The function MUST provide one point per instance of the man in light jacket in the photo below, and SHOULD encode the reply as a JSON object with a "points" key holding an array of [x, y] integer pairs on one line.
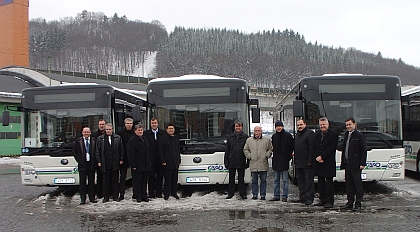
{"points": [[258, 149]]}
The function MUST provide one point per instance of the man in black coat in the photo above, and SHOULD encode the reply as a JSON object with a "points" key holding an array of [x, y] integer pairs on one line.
{"points": [[170, 157], [109, 154], [126, 133], [99, 177], [155, 182], [140, 163], [353, 160], [326, 142], [304, 160], [84, 152], [235, 160], [283, 146]]}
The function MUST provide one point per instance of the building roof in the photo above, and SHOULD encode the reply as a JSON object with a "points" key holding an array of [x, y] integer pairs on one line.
{"points": [[15, 79]]}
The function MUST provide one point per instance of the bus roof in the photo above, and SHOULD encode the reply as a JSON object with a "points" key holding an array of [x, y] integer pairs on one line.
{"points": [[410, 91], [347, 76], [195, 77]]}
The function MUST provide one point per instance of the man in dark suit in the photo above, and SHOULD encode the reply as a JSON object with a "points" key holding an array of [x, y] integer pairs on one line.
{"points": [[326, 142], [126, 133], [155, 182], [140, 163], [110, 155], [99, 178], [84, 152], [353, 160], [170, 157]]}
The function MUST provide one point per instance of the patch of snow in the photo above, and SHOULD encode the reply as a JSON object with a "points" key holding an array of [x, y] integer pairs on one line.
{"points": [[10, 160]]}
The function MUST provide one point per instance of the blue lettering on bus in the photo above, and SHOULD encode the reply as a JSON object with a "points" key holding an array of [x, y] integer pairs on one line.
{"points": [[216, 168], [373, 164]]}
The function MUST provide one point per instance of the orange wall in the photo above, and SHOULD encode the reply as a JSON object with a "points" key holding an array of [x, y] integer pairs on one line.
{"points": [[14, 34]]}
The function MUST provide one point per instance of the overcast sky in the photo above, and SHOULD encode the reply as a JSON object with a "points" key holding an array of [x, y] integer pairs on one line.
{"points": [[391, 27]]}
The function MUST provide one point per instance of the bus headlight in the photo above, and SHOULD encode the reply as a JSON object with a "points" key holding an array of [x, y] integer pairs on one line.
{"points": [[395, 165], [28, 171]]}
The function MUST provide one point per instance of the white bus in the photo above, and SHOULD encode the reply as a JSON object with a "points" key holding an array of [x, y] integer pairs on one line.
{"points": [[373, 101], [203, 109], [410, 100], [53, 117]]}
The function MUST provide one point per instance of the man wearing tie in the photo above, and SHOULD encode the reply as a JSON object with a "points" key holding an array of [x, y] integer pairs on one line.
{"points": [[353, 160], [84, 153], [110, 155], [156, 174]]}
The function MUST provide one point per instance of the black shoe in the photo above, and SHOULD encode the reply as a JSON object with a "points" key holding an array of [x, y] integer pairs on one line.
{"points": [[106, 199], [254, 198], [145, 199], [93, 201], [319, 204], [166, 197], [138, 200], [347, 206], [83, 202], [99, 196], [159, 196], [115, 199], [308, 202], [229, 196], [357, 207], [263, 198], [328, 205], [284, 199], [275, 199], [244, 197], [298, 201], [120, 198], [152, 196], [176, 196]]}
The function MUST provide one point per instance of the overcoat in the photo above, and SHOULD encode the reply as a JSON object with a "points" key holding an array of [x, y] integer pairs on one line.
{"points": [[118, 151], [283, 146], [138, 152], [234, 152], [357, 152], [79, 153], [326, 146], [258, 151], [304, 149]]}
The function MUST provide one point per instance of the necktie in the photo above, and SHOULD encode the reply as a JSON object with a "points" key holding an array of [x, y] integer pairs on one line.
{"points": [[87, 149], [155, 132], [347, 147]]}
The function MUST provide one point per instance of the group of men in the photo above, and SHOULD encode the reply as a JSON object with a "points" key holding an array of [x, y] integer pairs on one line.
{"points": [[152, 156], [314, 155]]}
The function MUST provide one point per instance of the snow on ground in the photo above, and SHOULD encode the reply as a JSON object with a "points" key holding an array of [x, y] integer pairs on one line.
{"points": [[10, 160]]}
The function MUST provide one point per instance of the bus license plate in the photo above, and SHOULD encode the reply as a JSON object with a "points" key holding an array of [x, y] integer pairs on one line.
{"points": [[64, 180], [364, 176], [204, 179]]}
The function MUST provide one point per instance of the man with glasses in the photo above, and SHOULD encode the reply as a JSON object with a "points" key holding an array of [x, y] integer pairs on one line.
{"points": [[258, 149]]}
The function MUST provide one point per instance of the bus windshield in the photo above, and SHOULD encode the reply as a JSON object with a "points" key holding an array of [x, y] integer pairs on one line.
{"points": [[378, 120], [57, 128], [202, 127]]}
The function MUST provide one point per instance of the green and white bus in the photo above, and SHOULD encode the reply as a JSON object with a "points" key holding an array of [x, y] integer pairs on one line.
{"points": [[372, 100], [203, 109]]}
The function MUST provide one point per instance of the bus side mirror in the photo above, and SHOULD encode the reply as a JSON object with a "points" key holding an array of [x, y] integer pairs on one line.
{"points": [[255, 115], [136, 110], [297, 108], [5, 118], [406, 112]]}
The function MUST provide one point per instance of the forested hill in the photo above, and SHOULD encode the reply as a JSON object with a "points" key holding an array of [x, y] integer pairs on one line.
{"points": [[94, 43]]}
